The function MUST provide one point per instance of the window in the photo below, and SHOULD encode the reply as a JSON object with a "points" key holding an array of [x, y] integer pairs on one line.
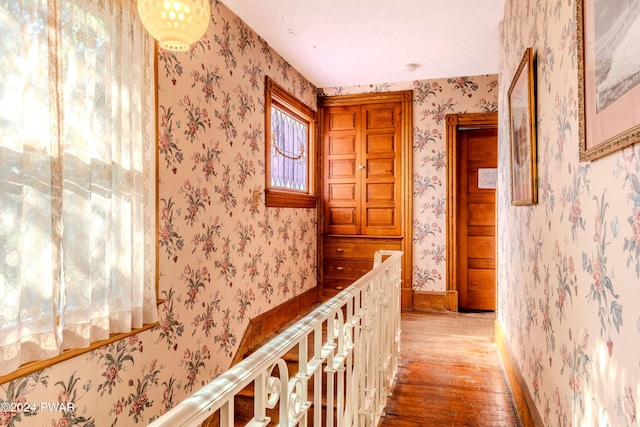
{"points": [[290, 154], [77, 176]]}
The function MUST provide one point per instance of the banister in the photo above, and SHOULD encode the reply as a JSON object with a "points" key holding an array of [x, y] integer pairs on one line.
{"points": [[360, 356]]}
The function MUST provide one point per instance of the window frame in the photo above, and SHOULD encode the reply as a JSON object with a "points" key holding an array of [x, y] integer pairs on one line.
{"points": [[280, 98]]}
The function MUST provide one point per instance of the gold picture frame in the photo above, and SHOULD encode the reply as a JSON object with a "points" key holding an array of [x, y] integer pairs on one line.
{"points": [[608, 82], [522, 132]]}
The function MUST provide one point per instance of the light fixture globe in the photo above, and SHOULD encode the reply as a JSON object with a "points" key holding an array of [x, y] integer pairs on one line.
{"points": [[176, 24]]}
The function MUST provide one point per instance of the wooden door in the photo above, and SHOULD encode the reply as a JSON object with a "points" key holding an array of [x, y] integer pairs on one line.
{"points": [[381, 163], [476, 263], [341, 183], [362, 163], [366, 157]]}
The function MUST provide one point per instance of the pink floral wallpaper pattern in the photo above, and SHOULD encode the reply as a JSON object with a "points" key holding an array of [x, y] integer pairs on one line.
{"points": [[568, 269]]}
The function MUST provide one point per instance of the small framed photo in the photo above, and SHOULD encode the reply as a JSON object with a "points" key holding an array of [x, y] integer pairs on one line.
{"points": [[522, 125], [608, 33]]}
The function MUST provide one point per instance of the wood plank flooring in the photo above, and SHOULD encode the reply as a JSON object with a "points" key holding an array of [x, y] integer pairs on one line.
{"points": [[450, 374]]}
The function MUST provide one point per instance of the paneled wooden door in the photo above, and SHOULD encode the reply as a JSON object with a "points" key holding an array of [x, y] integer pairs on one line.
{"points": [[362, 160], [366, 185], [476, 221]]}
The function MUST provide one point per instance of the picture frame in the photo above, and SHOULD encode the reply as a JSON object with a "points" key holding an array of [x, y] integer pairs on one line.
{"points": [[522, 128], [608, 78]]}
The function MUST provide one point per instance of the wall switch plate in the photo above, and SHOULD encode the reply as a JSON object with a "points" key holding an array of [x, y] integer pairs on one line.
{"points": [[256, 197]]}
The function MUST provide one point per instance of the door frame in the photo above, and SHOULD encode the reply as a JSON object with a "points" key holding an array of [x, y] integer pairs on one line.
{"points": [[405, 98], [455, 123]]}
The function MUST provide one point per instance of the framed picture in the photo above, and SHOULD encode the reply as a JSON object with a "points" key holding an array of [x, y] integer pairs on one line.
{"points": [[522, 126], [608, 76]]}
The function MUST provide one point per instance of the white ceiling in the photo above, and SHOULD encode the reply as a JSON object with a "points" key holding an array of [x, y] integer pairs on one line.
{"points": [[351, 42]]}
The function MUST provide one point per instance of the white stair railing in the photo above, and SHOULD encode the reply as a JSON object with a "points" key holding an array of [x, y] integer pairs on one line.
{"points": [[356, 343]]}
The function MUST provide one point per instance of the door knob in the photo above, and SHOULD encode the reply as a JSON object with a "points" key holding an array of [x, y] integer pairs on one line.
{"points": [[361, 167]]}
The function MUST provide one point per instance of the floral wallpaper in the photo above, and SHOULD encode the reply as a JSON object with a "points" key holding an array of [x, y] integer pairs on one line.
{"points": [[568, 267], [222, 258], [432, 101]]}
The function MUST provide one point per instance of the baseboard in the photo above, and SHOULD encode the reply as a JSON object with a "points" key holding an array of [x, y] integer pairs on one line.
{"points": [[425, 300], [452, 301], [270, 321], [525, 404], [406, 298]]}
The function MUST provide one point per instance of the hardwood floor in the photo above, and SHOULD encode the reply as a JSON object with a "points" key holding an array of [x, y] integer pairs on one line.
{"points": [[450, 373]]}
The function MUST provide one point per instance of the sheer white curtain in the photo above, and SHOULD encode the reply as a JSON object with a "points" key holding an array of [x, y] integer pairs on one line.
{"points": [[77, 175]]}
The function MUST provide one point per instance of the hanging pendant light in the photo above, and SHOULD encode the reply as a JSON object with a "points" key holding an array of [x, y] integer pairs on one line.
{"points": [[176, 24]]}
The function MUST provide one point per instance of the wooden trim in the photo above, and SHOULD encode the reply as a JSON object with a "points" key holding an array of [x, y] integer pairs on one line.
{"points": [[454, 123], [157, 165], [31, 367], [269, 322], [524, 401], [365, 98], [406, 99], [473, 120], [406, 296], [424, 300], [320, 205], [451, 303], [407, 190], [278, 96], [441, 301], [288, 199]]}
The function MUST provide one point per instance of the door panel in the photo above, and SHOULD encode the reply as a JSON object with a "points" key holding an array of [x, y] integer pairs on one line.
{"points": [[381, 218], [343, 119], [476, 221], [482, 246], [481, 288], [343, 144], [381, 144], [342, 218], [342, 192], [381, 116], [481, 213], [381, 168], [341, 181], [382, 160], [342, 168], [381, 193]]}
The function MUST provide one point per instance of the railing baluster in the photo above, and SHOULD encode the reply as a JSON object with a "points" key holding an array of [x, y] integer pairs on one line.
{"points": [[259, 398], [317, 374], [331, 372]]}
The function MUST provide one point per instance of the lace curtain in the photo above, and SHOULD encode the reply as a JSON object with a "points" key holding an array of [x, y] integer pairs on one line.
{"points": [[77, 176]]}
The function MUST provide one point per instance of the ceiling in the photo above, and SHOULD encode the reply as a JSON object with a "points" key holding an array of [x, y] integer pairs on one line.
{"points": [[352, 42]]}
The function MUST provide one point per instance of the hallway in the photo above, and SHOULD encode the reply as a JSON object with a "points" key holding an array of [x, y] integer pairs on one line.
{"points": [[450, 373]]}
